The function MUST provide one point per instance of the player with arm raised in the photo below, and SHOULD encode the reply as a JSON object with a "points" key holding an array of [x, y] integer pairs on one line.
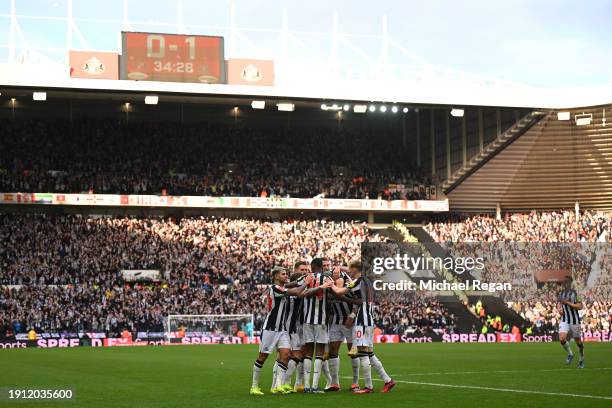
{"points": [[315, 325], [569, 326], [328, 272], [274, 331], [361, 293], [294, 327], [340, 329]]}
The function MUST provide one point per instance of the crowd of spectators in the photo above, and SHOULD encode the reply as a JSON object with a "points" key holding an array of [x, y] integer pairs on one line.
{"points": [[64, 272], [544, 315], [554, 226], [539, 241], [412, 313], [490, 322], [204, 160], [139, 307], [517, 246], [59, 250]]}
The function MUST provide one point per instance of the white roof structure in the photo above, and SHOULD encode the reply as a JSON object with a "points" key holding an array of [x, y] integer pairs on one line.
{"points": [[401, 92], [349, 72]]}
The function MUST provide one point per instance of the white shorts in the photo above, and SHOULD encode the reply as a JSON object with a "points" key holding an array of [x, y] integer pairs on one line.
{"points": [[296, 339], [339, 332], [363, 336], [573, 330], [315, 333], [273, 340]]}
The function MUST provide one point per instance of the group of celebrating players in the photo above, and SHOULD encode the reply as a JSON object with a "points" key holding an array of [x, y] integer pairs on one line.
{"points": [[312, 311]]}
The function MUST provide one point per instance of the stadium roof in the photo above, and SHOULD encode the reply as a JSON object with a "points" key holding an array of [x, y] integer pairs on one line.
{"points": [[324, 63], [414, 92], [316, 64]]}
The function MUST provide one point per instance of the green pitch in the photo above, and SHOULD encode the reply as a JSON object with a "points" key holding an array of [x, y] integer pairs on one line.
{"points": [[458, 375]]}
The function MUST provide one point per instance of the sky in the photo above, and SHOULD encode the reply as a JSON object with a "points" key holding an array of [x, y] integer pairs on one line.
{"points": [[548, 43]]}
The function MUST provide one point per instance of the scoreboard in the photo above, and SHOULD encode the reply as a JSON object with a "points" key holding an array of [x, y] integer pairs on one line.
{"points": [[172, 58]]}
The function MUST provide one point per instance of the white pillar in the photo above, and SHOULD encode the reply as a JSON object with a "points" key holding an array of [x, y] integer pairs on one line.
{"points": [[432, 141], [448, 149], [12, 31], [334, 60], [480, 130], [464, 140], [498, 120], [418, 138], [384, 56]]}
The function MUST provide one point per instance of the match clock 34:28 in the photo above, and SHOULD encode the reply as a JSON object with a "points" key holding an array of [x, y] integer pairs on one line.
{"points": [[172, 57]]}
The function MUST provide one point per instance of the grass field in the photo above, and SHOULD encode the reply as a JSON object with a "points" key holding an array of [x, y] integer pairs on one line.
{"points": [[458, 375]]}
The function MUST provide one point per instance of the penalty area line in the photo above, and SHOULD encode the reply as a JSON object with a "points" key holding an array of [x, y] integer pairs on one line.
{"points": [[477, 387]]}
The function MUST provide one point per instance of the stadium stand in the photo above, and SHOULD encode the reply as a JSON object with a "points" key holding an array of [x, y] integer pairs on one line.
{"points": [[529, 304], [209, 266], [512, 175], [216, 265], [206, 160]]}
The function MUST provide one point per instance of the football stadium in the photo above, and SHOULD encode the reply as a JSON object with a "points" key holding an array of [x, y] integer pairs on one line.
{"points": [[222, 204]]}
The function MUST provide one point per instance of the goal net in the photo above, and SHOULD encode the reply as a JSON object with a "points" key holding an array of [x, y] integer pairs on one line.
{"points": [[209, 328]]}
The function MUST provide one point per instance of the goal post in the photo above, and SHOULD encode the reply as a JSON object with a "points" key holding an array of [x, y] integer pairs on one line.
{"points": [[212, 324]]}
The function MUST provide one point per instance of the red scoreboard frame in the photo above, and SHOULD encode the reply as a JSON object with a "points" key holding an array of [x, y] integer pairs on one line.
{"points": [[172, 58]]}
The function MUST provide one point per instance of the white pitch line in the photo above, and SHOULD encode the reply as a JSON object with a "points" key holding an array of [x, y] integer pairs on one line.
{"points": [[500, 371], [477, 387]]}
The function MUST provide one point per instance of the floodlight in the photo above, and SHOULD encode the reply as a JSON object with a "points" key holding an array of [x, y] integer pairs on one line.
{"points": [[563, 116], [258, 104], [39, 96], [285, 107], [583, 119], [151, 99]]}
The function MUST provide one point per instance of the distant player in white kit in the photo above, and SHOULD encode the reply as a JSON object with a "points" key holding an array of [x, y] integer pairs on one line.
{"points": [[569, 326]]}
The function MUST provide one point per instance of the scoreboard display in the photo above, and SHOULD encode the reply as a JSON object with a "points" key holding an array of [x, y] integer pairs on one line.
{"points": [[172, 58]]}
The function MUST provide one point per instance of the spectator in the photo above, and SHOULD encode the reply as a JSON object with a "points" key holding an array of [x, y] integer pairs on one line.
{"points": [[203, 160]]}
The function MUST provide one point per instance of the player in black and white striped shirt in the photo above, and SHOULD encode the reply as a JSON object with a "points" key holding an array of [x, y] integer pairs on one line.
{"points": [[328, 271], [274, 331], [339, 331], [361, 294], [315, 324], [569, 326], [294, 326]]}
